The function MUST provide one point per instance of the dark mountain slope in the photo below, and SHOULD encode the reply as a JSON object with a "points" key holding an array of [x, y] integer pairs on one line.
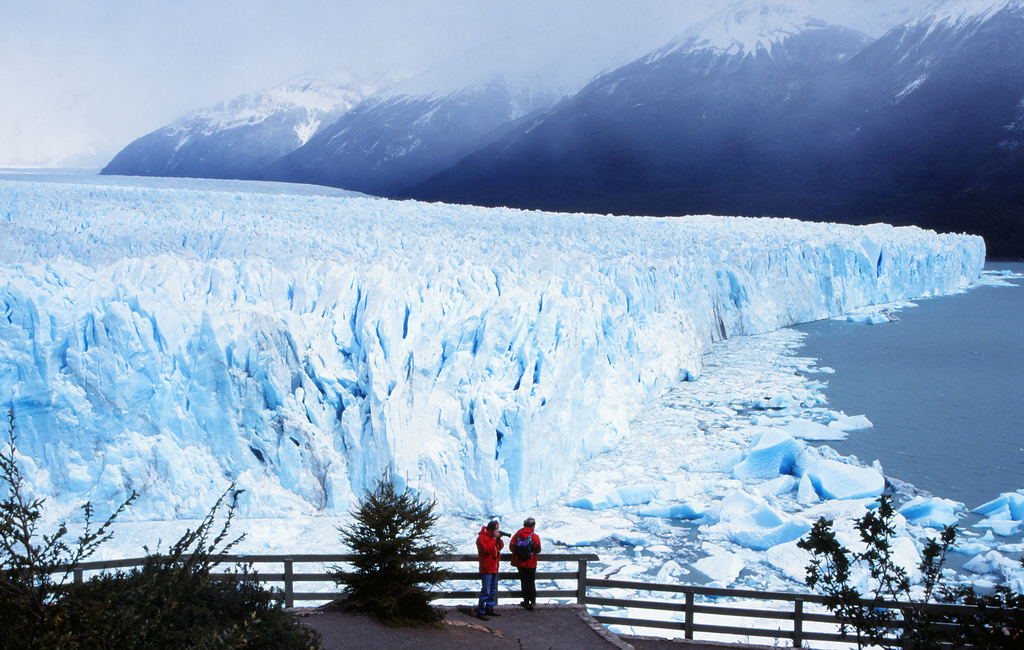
{"points": [[922, 127], [390, 143]]}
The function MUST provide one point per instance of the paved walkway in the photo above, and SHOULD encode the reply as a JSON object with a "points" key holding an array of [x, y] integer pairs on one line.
{"points": [[547, 627]]}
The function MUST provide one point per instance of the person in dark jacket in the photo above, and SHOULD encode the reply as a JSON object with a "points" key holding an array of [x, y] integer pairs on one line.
{"points": [[488, 549], [525, 546]]}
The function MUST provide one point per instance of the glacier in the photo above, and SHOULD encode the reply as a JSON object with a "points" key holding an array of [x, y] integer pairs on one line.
{"points": [[170, 340]]}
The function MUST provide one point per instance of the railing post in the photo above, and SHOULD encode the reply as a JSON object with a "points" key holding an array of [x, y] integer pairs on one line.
{"points": [[78, 576], [581, 582], [289, 590], [689, 615], [798, 623]]}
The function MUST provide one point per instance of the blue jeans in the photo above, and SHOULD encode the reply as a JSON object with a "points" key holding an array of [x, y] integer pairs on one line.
{"points": [[488, 592]]}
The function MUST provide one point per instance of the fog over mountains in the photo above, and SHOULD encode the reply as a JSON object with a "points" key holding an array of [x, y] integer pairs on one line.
{"points": [[766, 109]]}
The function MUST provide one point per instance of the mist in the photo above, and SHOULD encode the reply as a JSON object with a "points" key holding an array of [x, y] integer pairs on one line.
{"points": [[81, 80]]}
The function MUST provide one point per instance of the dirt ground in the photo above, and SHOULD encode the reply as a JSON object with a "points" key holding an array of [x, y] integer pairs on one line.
{"points": [[547, 627]]}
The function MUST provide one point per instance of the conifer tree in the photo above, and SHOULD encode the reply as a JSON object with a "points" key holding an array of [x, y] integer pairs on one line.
{"points": [[395, 556]]}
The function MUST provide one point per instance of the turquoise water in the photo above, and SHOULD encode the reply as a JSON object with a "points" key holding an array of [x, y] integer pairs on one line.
{"points": [[944, 388]]}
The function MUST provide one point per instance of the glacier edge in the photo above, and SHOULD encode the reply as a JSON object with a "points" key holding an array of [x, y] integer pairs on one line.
{"points": [[171, 341]]}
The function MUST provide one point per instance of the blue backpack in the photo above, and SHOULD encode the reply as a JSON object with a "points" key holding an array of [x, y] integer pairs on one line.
{"points": [[522, 548]]}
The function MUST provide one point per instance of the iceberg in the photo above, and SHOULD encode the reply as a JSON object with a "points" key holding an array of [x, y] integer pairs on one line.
{"points": [[773, 453], [1001, 527], [934, 512], [624, 496], [1008, 505], [835, 480], [809, 430], [780, 485], [722, 567], [850, 422], [749, 521], [690, 509], [170, 340]]}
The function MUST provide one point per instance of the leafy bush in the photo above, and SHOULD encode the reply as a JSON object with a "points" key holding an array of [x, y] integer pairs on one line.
{"points": [[996, 621], [396, 555], [172, 601]]}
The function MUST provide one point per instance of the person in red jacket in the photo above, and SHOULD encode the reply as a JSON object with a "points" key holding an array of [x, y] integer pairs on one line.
{"points": [[488, 549], [525, 545]]}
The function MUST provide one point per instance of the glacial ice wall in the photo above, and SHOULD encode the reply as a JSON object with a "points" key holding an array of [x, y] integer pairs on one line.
{"points": [[170, 341]]}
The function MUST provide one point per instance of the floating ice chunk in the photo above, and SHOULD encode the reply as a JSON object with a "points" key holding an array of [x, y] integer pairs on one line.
{"points": [[835, 480], [631, 538], [992, 562], [773, 453], [933, 512], [781, 485], [723, 567], [850, 423], [584, 532], [1001, 527], [809, 430], [971, 548], [761, 539], [836, 509], [720, 461], [806, 495], [691, 509], [1008, 505], [872, 316], [749, 521], [631, 495], [669, 571], [906, 556], [791, 560], [680, 490]]}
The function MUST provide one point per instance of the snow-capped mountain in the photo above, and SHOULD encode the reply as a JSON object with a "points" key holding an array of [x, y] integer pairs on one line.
{"points": [[930, 128], [665, 133], [415, 129], [748, 27], [768, 109], [399, 139], [963, 13], [238, 138]]}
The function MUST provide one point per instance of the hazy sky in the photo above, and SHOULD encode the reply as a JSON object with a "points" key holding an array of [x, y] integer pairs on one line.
{"points": [[80, 79]]}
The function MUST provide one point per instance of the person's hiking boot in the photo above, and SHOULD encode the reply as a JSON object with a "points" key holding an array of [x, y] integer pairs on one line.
{"points": [[524, 605], [529, 607], [491, 612], [481, 616]]}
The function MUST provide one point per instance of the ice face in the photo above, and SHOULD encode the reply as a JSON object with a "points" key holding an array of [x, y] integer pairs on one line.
{"points": [[169, 341]]}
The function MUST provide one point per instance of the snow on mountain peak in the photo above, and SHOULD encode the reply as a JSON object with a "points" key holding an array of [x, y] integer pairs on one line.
{"points": [[749, 26], [960, 12], [319, 93]]}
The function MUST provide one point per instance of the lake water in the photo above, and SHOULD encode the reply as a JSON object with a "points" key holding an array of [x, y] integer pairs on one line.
{"points": [[944, 388]]}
